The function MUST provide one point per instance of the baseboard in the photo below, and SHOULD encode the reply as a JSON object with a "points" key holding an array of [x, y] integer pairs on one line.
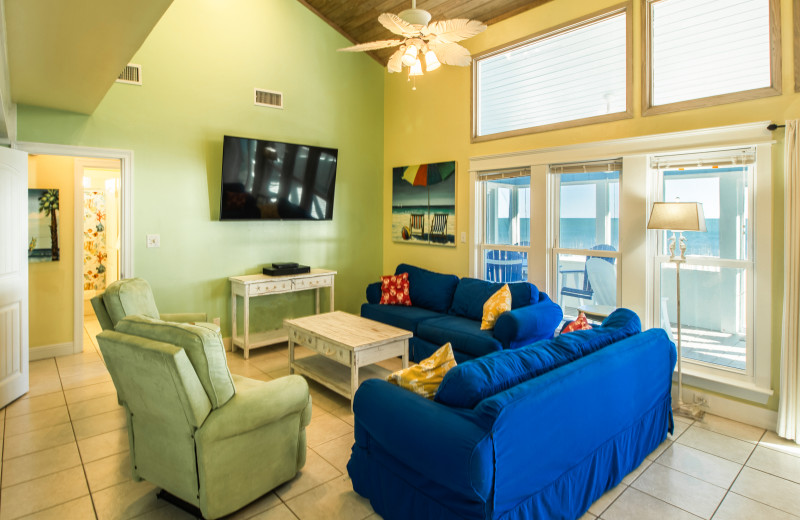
{"points": [[734, 410], [48, 351]]}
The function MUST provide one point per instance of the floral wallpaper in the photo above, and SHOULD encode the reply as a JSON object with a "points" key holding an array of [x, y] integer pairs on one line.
{"points": [[94, 240]]}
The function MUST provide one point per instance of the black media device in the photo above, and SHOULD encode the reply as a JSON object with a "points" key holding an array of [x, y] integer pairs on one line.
{"points": [[286, 268], [271, 180]]}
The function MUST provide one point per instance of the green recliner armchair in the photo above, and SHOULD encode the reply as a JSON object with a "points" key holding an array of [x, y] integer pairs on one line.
{"points": [[133, 296], [215, 440]]}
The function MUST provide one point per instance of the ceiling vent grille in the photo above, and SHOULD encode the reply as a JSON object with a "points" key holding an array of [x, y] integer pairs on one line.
{"points": [[131, 74], [268, 98]]}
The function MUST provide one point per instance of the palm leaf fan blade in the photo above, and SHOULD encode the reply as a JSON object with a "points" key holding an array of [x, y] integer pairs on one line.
{"points": [[452, 54], [397, 25], [450, 31], [396, 61], [371, 46]]}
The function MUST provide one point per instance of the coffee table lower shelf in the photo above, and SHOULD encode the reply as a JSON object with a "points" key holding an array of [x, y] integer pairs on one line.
{"points": [[334, 375]]}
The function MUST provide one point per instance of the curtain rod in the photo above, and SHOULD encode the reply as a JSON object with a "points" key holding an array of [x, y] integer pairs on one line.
{"points": [[773, 126]]}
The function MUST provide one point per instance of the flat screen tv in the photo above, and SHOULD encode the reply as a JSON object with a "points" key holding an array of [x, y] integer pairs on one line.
{"points": [[270, 180]]}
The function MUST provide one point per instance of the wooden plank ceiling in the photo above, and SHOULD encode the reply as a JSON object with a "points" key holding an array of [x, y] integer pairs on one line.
{"points": [[358, 21]]}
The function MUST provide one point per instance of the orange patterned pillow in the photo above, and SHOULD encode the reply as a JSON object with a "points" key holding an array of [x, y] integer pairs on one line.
{"points": [[394, 290], [579, 324]]}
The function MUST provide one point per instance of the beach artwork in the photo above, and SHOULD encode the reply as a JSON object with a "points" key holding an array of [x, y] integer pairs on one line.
{"points": [[43, 226], [424, 204]]}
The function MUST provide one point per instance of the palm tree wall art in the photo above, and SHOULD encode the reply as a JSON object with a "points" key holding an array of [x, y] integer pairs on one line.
{"points": [[43, 206]]}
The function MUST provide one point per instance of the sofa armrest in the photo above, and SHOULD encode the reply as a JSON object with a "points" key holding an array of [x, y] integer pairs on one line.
{"points": [[524, 325], [184, 317], [438, 443], [256, 404], [374, 292]]}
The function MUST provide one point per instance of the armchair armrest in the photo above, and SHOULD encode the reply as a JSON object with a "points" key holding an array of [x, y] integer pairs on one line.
{"points": [[440, 443], [256, 404], [184, 317], [524, 325], [374, 292]]}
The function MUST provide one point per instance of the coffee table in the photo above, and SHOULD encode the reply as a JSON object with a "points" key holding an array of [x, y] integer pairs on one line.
{"points": [[346, 346]]}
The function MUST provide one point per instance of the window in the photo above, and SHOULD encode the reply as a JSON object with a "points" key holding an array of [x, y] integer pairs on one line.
{"points": [[506, 229], [586, 238], [716, 280], [573, 75], [702, 53]]}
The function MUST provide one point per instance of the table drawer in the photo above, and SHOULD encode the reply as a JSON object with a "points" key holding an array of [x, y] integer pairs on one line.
{"points": [[270, 287], [303, 338], [312, 282], [335, 352]]}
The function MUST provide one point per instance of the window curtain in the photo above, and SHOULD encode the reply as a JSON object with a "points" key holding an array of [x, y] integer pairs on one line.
{"points": [[789, 407]]}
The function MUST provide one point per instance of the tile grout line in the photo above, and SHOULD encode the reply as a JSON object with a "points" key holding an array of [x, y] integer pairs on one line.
{"points": [[80, 455]]}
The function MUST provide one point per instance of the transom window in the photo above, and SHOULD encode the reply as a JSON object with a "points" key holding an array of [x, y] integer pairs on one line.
{"points": [[562, 77], [709, 50]]}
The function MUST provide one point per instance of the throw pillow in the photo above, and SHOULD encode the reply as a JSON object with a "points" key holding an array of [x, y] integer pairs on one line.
{"points": [[496, 305], [394, 290], [581, 323], [424, 379]]}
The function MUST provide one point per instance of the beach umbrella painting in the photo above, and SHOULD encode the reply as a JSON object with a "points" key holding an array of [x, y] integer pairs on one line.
{"points": [[428, 174]]}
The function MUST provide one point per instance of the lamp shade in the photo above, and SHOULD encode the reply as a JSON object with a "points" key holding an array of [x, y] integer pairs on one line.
{"points": [[677, 216]]}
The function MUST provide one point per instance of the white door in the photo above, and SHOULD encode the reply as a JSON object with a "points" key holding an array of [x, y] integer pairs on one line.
{"points": [[13, 274]]}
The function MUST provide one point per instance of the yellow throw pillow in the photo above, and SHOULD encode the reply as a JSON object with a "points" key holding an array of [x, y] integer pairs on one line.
{"points": [[424, 379], [499, 303]]}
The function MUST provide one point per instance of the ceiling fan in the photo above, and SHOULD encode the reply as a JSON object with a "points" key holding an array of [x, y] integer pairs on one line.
{"points": [[435, 42]]}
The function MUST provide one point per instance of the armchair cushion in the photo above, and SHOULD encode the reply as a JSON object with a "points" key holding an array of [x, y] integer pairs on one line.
{"points": [[203, 346], [471, 294], [127, 297]]}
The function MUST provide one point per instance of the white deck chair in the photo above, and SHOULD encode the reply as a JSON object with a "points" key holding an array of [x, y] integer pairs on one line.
{"points": [[603, 277]]}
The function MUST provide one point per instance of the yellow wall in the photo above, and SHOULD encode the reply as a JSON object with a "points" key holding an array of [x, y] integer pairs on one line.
{"points": [[432, 124], [50, 284]]}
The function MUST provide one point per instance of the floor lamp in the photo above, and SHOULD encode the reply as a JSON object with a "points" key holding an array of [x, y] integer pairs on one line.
{"points": [[679, 217]]}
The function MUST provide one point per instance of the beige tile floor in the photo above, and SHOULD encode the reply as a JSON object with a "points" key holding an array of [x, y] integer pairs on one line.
{"points": [[65, 456]]}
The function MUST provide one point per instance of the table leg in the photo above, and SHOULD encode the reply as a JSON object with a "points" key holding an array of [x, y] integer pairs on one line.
{"points": [[405, 353], [331, 309], [246, 325], [233, 319], [291, 354], [353, 383], [317, 300]]}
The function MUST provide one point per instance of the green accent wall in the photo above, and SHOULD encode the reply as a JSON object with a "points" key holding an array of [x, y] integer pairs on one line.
{"points": [[200, 65]]}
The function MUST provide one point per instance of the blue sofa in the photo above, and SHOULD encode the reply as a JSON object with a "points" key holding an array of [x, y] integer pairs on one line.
{"points": [[538, 432], [448, 309]]}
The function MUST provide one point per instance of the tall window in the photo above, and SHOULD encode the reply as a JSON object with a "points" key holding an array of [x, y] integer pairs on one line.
{"points": [[586, 237], [562, 77], [716, 281], [506, 230], [706, 52]]}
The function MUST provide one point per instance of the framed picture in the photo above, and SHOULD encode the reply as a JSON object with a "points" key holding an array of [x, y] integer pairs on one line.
{"points": [[43, 226], [424, 204]]}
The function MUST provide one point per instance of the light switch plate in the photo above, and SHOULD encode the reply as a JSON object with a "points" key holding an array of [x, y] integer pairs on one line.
{"points": [[463, 237], [153, 240]]}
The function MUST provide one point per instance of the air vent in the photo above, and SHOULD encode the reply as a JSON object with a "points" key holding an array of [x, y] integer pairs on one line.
{"points": [[268, 98], [131, 74]]}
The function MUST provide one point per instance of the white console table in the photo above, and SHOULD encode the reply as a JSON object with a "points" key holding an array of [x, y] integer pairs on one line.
{"points": [[254, 285]]}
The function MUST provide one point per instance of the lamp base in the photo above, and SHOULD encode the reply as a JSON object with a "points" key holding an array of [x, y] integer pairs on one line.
{"points": [[692, 411]]}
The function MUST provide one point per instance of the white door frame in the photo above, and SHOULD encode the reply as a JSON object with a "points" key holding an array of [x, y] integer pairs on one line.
{"points": [[125, 158]]}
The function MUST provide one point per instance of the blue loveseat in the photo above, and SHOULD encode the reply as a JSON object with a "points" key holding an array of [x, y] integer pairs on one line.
{"points": [[448, 309], [538, 432]]}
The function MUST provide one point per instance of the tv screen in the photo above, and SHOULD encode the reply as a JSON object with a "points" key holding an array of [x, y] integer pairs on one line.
{"points": [[270, 180]]}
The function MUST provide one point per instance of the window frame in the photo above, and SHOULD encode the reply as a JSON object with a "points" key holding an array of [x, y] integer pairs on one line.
{"points": [[625, 8], [648, 109]]}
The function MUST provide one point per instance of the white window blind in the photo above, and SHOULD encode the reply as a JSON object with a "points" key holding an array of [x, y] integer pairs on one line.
{"points": [[572, 74], [513, 173], [588, 167], [719, 158], [703, 48]]}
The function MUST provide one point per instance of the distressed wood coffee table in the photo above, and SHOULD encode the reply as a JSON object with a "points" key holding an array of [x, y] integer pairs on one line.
{"points": [[347, 347]]}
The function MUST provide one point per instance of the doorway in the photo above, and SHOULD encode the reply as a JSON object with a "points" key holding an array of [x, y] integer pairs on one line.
{"points": [[94, 225]]}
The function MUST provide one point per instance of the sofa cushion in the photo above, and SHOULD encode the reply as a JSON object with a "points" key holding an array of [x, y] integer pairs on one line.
{"points": [[473, 381], [496, 305], [128, 297], [580, 323], [464, 334], [398, 315], [426, 376], [394, 290], [429, 290], [203, 347], [471, 294]]}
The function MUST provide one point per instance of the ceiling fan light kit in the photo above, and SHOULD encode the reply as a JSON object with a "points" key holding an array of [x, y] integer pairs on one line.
{"points": [[434, 42]]}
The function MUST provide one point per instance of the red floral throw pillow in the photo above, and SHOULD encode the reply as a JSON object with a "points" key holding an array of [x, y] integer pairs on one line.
{"points": [[579, 324], [394, 290]]}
